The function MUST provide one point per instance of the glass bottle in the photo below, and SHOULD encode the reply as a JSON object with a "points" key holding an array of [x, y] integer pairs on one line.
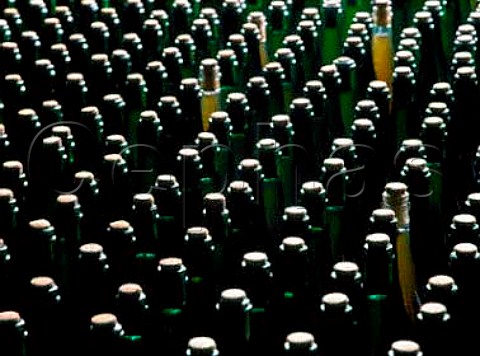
{"points": [[44, 312], [382, 41], [119, 241], [105, 335], [334, 179], [336, 323], [256, 279], [293, 286], [332, 30], [272, 194], [210, 82], [434, 328], [199, 254], [14, 333], [189, 173], [233, 320], [396, 197], [169, 302], [132, 310]]}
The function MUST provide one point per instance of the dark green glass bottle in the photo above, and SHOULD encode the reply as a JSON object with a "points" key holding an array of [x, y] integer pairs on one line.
{"points": [[199, 253], [11, 57], [212, 15], [79, 51], [132, 43], [256, 279], [99, 78], [156, 79], [60, 58], [258, 95], [67, 220], [216, 218], [24, 132], [278, 15], [145, 219], [203, 38], [50, 178], [189, 173], [434, 328], [99, 37], [384, 315], [256, 54], [296, 44], [336, 324], [10, 212], [132, 309], [238, 110], [44, 72], [331, 79], [44, 312], [190, 98], [50, 113], [272, 193], [14, 333], [236, 42], [334, 179], [30, 49], [288, 171], [152, 39], [232, 17], [64, 13], [105, 335], [233, 321], [75, 95], [465, 87], [119, 241], [14, 24], [65, 134], [9, 278], [121, 66], [471, 204], [186, 44], [248, 228], [365, 138], [91, 289], [332, 30], [15, 99], [405, 114], [463, 265], [5, 145], [169, 303], [293, 278], [91, 140], [207, 145], [115, 188], [43, 258], [315, 91]]}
